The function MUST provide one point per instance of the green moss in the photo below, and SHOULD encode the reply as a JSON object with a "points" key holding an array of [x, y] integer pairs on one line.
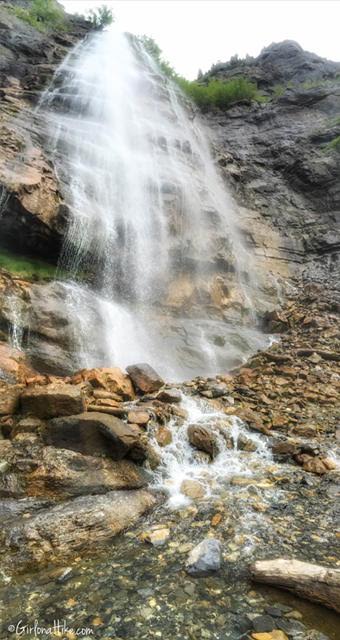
{"points": [[43, 15], [26, 267]]}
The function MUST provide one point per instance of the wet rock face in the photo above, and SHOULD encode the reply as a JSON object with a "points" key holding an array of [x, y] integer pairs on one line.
{"points": [[275, 156], [33, 212]]}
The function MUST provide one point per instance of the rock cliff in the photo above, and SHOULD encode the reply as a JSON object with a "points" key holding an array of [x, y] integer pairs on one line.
{"points": [[281, 156], [31, 207]]}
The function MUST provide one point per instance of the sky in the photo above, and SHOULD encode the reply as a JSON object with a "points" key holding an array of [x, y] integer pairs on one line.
{"points": [[194, 34]]}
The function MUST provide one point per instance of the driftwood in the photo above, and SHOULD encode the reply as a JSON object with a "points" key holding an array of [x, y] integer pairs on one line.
{"points": [[311, 581]]}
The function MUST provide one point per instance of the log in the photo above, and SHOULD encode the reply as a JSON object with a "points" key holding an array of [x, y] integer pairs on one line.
{"points": [[311, 581]]}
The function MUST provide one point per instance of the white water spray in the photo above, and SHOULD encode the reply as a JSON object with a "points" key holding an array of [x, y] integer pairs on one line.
{"points": [[147, 206]]}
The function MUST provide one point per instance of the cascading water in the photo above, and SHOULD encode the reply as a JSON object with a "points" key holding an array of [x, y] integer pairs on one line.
{"points": [[150, 219], [181, 462], [13, 308]]}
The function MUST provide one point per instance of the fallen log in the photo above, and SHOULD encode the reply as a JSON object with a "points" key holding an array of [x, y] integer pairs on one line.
{"points": [[314, 582]]}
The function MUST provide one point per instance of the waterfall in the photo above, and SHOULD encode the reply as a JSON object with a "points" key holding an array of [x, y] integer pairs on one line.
{"points": [[151, 222], [13, 308]]}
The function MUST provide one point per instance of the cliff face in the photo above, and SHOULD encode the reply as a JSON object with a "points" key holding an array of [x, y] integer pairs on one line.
{"points": [[281, 157], [31, 207]]}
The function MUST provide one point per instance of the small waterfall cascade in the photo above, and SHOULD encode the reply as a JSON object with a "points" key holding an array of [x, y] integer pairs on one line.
{"points": [[239, 453], [150, 220], [14, 311]]}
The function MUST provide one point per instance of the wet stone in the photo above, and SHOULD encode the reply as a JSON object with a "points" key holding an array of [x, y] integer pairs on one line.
{"points": [[263, 623], [205, 558]]}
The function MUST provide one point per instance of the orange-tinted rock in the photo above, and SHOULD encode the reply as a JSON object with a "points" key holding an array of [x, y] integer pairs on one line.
{"points": [[139, 417], [163, 436], [108, 379]]}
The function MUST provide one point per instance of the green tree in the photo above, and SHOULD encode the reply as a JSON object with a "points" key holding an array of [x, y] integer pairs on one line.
{"points": [[101, 17]]}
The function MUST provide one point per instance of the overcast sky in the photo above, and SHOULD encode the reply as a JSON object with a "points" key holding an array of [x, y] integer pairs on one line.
{"points": [[194, 34]]}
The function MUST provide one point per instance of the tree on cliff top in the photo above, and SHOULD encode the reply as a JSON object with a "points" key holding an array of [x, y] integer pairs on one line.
{"points": [[101, 17]]}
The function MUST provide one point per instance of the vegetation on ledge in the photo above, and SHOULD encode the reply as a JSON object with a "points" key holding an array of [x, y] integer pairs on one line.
{"points": [[100, 17], [333, 145], [44, 15], [26, 267], [215, 93]]}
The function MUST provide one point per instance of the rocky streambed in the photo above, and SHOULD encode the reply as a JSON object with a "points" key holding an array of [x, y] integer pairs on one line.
{"points": [[84, 457]]}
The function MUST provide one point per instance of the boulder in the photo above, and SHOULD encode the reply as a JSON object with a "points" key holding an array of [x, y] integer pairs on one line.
{"points": [[139, 417], [63, 473], [52, 400], [203, 438], [145, 379], [112, 380], [94, 434], [76, 527], [205, 558], [171, 396]]}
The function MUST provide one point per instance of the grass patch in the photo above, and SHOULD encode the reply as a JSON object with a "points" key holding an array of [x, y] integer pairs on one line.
{"points": [[333, 145], [43, 15], [26, 267]]}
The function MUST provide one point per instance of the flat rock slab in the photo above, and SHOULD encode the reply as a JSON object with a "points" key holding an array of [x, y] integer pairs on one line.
{"points": [[81, 525], [51, 401], [93, 433], [145, 378]]}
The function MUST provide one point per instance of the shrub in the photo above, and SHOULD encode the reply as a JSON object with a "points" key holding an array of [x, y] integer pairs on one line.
{"points": [[43, 15], [219, 94], [101, 17], [206, 95], [152, 48]]}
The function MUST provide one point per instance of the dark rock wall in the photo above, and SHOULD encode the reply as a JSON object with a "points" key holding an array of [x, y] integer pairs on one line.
{"points": [[31, 207], [278, 155]]}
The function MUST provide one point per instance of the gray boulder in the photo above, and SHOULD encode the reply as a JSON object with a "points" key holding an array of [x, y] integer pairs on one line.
{"points": [[205, 558]]}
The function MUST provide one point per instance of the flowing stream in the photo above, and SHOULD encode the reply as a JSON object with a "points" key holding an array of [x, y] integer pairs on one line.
{"points": [[152, 227]]}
